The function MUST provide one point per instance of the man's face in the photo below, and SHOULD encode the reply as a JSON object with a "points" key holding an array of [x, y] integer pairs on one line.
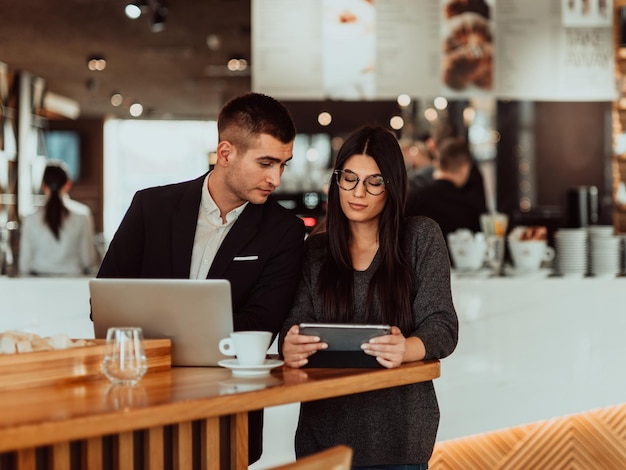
{"points": [[255, 174]]}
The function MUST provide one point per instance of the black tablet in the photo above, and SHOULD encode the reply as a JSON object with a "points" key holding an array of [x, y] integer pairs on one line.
{"points": [[344, 344], [344, 337]]}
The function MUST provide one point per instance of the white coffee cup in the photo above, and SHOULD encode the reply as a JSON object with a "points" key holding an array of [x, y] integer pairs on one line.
{"points": [[528, 255], [468, 251], [250, 347]]}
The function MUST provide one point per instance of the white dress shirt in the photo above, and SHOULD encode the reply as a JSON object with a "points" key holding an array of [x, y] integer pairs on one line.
{"points": [[73, 254], [210, 232]]}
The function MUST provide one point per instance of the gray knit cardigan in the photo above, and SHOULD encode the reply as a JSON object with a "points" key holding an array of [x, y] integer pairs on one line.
{"points": [[389, 426]]}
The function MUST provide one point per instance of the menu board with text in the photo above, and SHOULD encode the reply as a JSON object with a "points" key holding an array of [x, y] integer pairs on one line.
{"points": [[378, 49]]}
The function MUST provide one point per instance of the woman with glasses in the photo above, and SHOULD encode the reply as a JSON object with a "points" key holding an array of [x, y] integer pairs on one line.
{"points": [[373, 266]]}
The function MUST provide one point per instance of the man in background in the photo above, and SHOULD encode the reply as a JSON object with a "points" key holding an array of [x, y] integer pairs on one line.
{"points": [[419, 162], [446, 199], [224, 225]]}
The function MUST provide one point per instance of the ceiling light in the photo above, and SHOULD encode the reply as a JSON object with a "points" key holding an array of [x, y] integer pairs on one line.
{"points": [[396, 122], [136, 109], [158, 19], [117, 99], [324, 118], [96, 63], [404, 100], [134, 10], [213, 42], [237, 65]]}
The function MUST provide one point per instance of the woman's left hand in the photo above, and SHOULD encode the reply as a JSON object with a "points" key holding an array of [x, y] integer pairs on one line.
{"points": [[389, 349]]}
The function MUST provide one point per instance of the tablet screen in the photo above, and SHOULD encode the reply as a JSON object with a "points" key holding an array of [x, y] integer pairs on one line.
{"points": [[344, 337]]}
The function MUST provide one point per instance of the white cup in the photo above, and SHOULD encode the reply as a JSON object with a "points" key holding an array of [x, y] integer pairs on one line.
{"points": [[468, 252], [124, 361], [250, 347], [528, 255]]}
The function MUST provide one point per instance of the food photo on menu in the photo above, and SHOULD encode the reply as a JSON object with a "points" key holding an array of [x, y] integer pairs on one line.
{"points": [[467, 45], [349, 43]]}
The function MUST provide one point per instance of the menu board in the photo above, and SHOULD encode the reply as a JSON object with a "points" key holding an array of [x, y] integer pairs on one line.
{"points": [[286, 49], [542, 59], [552, 50]]}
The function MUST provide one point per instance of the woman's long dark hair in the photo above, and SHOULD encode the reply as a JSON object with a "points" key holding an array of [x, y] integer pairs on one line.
{"points": [[54, 178], [392, 282]]}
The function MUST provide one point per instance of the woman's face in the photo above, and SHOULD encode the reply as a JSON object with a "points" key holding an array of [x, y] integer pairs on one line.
{"points": [[358, 204]]}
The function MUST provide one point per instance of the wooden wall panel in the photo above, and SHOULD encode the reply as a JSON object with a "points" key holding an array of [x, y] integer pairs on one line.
{"points": [[591, 440]]}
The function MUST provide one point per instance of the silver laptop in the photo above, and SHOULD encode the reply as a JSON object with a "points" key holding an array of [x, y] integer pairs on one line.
{"points": [[194, 314]]}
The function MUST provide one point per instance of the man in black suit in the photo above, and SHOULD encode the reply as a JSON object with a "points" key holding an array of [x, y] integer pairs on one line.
{"points": [[224, 225]]}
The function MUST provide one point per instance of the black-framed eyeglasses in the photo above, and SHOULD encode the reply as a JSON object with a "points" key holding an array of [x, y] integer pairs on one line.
{"points": [[347, 180]]}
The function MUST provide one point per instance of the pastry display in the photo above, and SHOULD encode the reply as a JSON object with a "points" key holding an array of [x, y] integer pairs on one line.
{"points": [[531, 232], [12, 342], [467, 45]]}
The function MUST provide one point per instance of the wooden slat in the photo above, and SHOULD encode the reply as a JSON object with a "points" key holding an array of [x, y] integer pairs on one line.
{"points": [[239, 441], [124, 454], [25, 459], [154, 452], [92, 453], [183, 458], [210, 448], [60, 456]]}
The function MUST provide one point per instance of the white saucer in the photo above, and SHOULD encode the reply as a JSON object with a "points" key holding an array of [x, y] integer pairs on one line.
{"points": [[249, 371], [482, 273], [538, 274]]}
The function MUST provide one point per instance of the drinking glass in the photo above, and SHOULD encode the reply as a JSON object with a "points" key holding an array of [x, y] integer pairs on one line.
{"points": [[495, 253], [124, 361]]}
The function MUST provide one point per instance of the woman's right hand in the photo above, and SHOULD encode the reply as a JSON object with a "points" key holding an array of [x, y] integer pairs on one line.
{"points": [[297, 348]]}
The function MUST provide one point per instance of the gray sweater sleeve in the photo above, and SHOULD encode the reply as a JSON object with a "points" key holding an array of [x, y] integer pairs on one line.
{"points": [[433, 309]]}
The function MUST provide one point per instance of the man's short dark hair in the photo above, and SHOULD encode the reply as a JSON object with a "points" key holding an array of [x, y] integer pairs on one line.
{"points": [[246, 117], [453, 152]]}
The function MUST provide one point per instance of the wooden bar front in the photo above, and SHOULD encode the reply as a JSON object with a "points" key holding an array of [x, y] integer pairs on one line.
{"points": [[105, 425]]}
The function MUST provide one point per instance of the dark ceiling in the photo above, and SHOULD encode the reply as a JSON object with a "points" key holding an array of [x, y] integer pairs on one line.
{"points": [[177, 73]]}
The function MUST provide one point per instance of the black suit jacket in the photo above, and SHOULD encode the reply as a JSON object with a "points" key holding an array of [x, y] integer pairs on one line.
{"points": [[260, 256]]}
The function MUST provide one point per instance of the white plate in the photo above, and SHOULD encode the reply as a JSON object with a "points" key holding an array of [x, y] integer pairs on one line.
{"points": [[248, 371]]}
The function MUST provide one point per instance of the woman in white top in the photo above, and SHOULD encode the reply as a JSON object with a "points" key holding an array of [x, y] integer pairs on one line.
{"points": [[58, 239]]}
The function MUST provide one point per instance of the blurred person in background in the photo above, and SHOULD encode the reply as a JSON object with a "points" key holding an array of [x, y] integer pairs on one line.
{"points": [[58, 239], [474, 187], [447, 199], [419, 162]]}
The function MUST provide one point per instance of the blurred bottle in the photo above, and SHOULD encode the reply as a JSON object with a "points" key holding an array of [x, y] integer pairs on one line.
{"points": [[582, 207], [6, 253]]}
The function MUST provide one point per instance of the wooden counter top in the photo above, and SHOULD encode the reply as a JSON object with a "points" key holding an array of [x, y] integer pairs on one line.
{"points": [[47, 415]]}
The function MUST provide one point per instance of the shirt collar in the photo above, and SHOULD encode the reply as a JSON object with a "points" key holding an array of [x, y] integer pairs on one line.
{"points": [[210, 209]]}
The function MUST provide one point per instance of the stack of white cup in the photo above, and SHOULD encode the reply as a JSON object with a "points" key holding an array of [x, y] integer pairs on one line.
{"points": [[604, 251]]}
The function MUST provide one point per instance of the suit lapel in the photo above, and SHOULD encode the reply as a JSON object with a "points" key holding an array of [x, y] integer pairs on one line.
{"points": [[245, 228], [184, 221]]}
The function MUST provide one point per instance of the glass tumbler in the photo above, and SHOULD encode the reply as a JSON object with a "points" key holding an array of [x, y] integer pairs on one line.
{"points": [[124, 361]]}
